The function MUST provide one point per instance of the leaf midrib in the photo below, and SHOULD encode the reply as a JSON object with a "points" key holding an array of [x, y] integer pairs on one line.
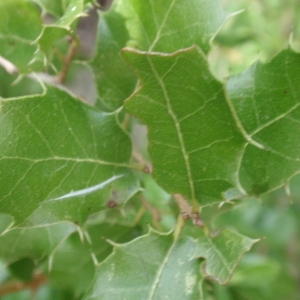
{"points": [[160, 271], [178, 130]]}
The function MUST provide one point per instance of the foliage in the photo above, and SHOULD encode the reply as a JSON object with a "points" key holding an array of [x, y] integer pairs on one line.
{"points": [[136, 138]]}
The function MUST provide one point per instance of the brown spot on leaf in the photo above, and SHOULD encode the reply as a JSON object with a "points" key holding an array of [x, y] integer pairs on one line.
{"points": [[111, 203]]}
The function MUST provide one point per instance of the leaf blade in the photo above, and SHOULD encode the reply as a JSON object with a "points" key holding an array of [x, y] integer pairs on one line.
{"points": [[61, 153], [155, 265], [198, 161]]}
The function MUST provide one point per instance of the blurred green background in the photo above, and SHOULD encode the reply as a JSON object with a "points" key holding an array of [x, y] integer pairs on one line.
{"points": [[260, 30]]}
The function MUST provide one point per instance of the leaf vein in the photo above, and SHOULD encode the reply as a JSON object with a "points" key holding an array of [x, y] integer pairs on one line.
{"points": [[178, 130]]}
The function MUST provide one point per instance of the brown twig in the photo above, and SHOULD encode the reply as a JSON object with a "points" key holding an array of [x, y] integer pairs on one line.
{"points": [[61, 77], [153, 210], [13, 287], [187, 211], [140, 159]]}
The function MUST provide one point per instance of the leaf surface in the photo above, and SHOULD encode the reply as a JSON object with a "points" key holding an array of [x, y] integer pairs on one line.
{"points": [[155, 266], [34, 243], [266, 99], [114, 79], [152, 26], [204, 143], [16, 38], [62, 27], [63, 159], [56, 8], [195, 143], [172, 24], [72, 266]]}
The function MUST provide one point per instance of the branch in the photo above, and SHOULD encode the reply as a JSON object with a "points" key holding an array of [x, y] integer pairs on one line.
{"points": [[187, 211], [147, 167], [154, 211], [61, 77]]}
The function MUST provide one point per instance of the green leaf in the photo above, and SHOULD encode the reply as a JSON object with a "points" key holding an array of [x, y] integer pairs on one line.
{"points": [[5, 222], [195, 143], [16, 37], [114, 79], [61, 155], [205, 145], [68, 271], [72, 266], [172, 24], [266, 99], [34, 243], [62, 27], [56, 8], [156, 265], [154, 26], [119, 233], [223, 253], [12, 86]]}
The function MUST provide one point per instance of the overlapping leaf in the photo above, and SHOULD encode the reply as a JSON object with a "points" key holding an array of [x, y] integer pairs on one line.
{"points": [[62, 27], [56, 8], [20, 40], [155, 266], [114, 79], [60, 159], [160, 26]]}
